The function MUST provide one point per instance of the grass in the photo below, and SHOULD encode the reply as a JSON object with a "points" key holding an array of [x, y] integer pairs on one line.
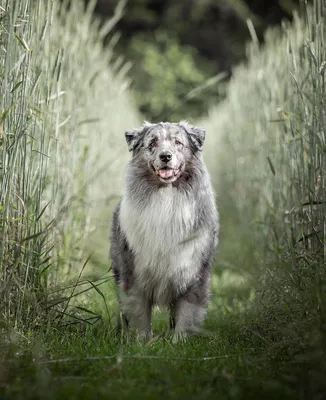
{"points": [[245, 352], [267, 147], [230, 362], [240, 356], [63, 113]]}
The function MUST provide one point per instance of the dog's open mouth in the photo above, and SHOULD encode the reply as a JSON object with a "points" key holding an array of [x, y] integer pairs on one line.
{"points": [[168, 173]]}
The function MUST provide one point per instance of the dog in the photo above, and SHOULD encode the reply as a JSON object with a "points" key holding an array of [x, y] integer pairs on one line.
{"points": [[165, 228]]}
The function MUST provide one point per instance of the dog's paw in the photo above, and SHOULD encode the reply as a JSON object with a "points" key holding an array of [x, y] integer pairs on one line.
{"points": [[180, 337], [144, 336]]}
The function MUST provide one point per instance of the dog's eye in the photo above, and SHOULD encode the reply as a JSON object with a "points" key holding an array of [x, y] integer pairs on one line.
{"points": [[178, 143], [152, 144]]}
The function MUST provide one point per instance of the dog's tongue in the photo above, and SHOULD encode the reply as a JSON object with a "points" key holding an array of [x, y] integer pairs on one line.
{"points": [[165, 173]]}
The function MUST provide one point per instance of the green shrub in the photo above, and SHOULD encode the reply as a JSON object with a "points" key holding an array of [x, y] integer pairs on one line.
{"points": [[63, 114], [171, 80]]}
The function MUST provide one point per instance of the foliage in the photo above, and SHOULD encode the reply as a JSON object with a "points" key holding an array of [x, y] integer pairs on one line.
{"points": [[269, 136], [63, 113], [207, 36], [266, 150], [169, 83]]}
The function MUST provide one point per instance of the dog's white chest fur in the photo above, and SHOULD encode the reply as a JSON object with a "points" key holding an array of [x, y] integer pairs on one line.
{"points": [[162, 238]]}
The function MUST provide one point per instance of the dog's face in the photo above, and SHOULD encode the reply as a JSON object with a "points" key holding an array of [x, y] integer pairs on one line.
{"points": [[166, 148]]}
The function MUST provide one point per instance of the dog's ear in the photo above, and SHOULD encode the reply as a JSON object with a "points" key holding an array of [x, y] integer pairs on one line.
{"points": [[196, 135], [132, 138]]}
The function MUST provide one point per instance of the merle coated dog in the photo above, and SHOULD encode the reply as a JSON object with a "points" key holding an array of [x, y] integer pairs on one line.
{"points": [[165, 229]]}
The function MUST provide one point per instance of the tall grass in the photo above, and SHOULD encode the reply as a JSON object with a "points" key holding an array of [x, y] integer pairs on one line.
{"points": [[63, 113], [267, 148]]}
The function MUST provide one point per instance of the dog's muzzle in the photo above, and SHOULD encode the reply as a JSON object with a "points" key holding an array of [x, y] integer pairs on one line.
{"points": [[168, 173]]}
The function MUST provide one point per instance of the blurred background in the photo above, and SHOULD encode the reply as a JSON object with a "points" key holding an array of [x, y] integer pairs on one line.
{"points": [[181, 53]]}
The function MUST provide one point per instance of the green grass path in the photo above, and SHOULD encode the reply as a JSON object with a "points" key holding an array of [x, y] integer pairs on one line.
{"points": [[230, 361]]}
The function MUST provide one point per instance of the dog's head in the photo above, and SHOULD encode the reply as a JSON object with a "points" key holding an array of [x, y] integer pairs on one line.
{"points": [[166, 148]]}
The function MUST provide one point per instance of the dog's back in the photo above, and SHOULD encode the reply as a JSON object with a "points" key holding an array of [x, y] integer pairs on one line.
{"points": [[164, 232]]}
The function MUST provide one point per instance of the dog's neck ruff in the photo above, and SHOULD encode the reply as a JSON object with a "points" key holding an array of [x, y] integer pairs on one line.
{"points": [[163, 218], [159, 232]]}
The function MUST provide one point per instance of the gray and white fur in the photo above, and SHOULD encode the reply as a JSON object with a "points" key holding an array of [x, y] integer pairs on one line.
{"points": [[165, 228]]}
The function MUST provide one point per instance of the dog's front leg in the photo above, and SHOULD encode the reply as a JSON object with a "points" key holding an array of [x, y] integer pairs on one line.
{"points": [[189, 318], [138, 311]]}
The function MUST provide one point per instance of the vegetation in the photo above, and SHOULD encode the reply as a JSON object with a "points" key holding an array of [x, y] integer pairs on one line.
{"points": [[189, 44], [168, 83], [265, 333], [63, 114], [268, 154]]}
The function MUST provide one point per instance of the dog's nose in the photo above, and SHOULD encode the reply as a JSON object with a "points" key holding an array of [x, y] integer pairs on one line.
{"points": [[165, 156]]}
